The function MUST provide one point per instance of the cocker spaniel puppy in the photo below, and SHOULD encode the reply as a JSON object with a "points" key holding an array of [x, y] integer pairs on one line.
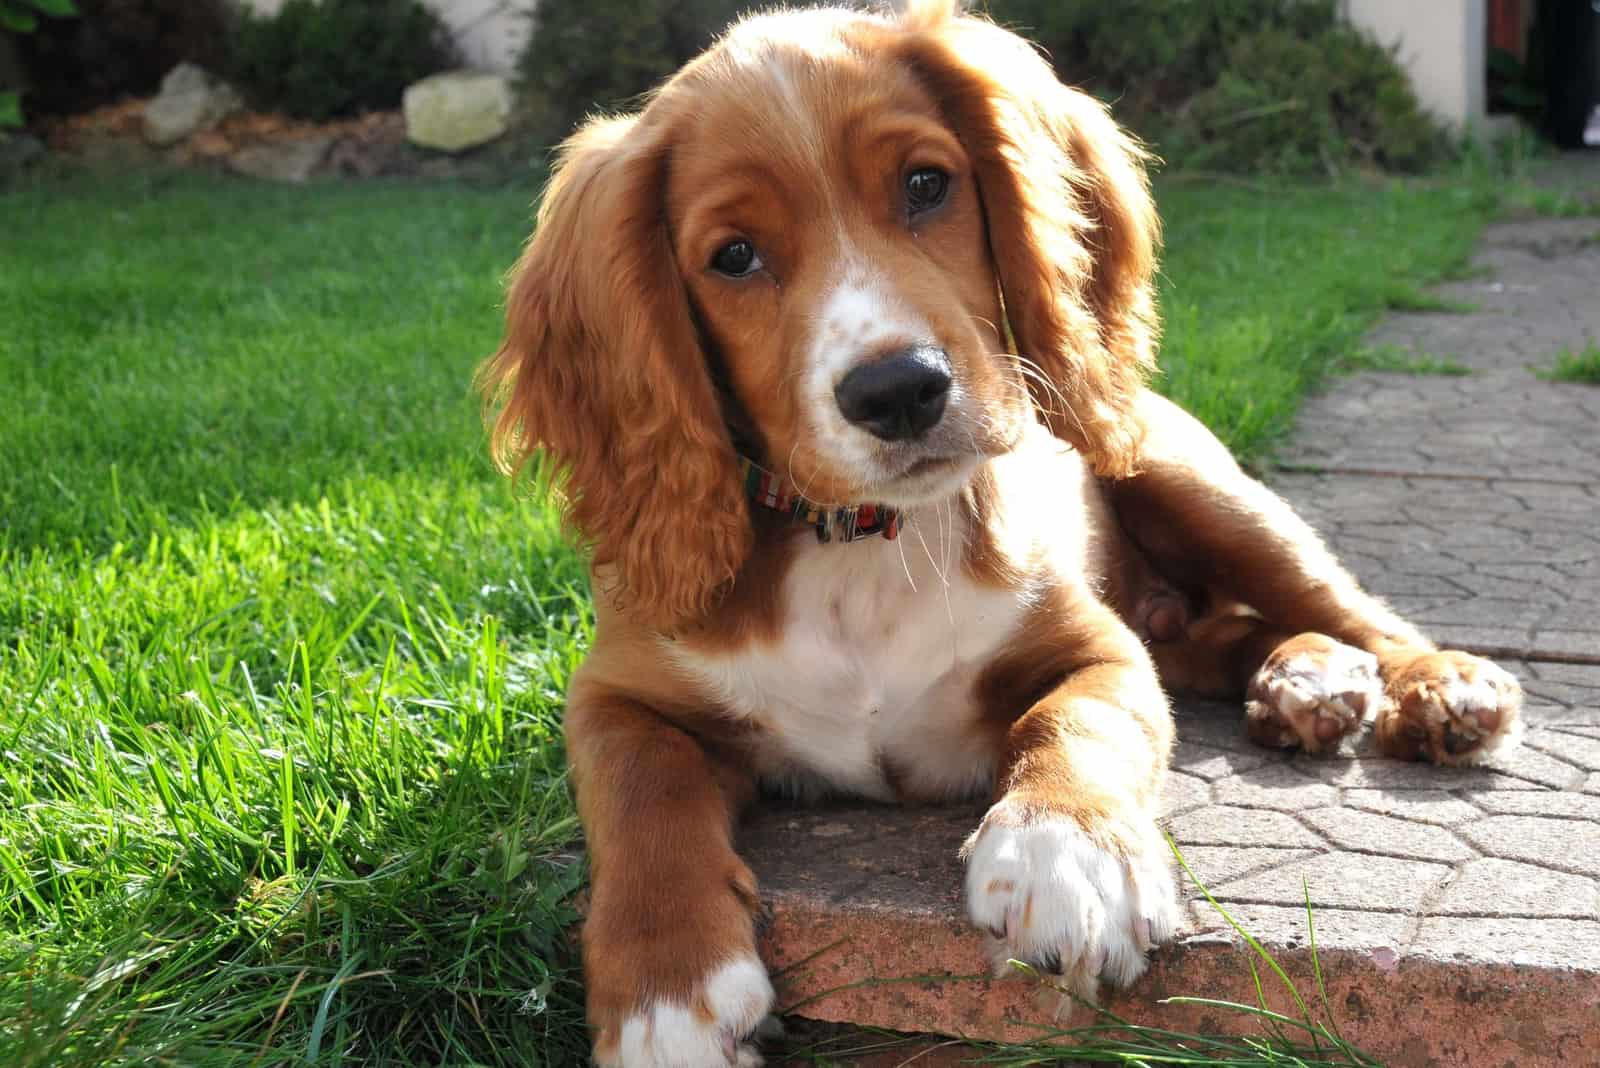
{"points": [[840, 347]]}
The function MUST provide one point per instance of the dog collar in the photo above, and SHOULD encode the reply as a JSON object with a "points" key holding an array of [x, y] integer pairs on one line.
{"points": [[849, 523]]}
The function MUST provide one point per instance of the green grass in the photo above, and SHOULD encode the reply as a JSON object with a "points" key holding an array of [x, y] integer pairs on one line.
{"points": [[1405, 297], [1403, 361], [1266, 291], [281, 658], [1575, 365], [1523, 199]]}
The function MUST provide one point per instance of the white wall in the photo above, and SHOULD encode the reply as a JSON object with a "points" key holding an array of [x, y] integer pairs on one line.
{"points": [[489, 33], [1443, 46]]}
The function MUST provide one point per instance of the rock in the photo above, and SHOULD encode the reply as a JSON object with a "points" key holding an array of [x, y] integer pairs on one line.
{"points": [[190, 100], [354, 158], [102, 151], [457, 109], [285, 161], [17, 150]]}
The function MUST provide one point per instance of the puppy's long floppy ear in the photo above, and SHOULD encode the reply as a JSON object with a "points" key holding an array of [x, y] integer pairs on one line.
{"points": [[601, 368], [1072, 227]]}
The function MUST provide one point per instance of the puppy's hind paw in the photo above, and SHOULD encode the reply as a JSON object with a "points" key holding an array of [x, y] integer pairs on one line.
{"points": [[1311, 692], [1451, 708]]}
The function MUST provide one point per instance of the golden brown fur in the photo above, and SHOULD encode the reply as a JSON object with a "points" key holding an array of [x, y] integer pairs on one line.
{"points": [[1046, 586]]}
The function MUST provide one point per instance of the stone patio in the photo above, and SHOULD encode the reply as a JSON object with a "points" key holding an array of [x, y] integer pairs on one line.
{"points": [[1457, 912]]}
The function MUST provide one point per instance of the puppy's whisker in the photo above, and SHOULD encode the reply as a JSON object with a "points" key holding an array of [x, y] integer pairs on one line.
{"points": [[1055, 391], [905, 565], [972, 439], [929, 554], [788, 465], [949, 538], [1030, 371]]}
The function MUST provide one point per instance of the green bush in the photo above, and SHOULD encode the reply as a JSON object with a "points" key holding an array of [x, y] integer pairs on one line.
{"points": [[19, 17], [117, 49], [1283, 86], [595, 55], [319, 59], [1315, 104]]}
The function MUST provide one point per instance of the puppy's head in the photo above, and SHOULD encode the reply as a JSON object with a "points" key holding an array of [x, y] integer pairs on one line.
{"points": [[864, 251]]}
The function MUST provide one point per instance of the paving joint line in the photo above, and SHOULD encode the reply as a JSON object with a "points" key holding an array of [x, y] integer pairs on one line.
{"points": [[1506, 652], [1438, 476]]}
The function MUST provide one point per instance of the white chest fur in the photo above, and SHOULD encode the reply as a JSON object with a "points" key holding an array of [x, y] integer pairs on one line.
{"points": [[874, 668]]}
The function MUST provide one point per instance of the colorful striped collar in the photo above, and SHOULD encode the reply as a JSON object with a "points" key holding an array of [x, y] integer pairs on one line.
{"points": [[849, 523]]}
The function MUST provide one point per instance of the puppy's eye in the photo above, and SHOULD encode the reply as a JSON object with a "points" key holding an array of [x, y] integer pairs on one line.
{"points": [[736, 259], [925, 189]]}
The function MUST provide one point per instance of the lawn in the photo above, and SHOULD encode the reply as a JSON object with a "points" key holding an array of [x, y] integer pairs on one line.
{"points": [[281, 658]]}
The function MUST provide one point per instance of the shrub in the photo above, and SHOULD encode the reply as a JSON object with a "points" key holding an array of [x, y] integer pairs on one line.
{"points": [[591, 55], [1258, 85], [318, 59], [20, 16], [117, 48], [1283, 86], [1292, 105]]}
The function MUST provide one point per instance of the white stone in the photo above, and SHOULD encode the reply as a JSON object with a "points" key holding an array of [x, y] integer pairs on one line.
{"points": [[190, 100], [457, 109]]}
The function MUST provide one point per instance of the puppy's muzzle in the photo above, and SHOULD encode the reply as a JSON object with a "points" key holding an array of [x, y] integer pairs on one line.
{"points": [[899, 396]]}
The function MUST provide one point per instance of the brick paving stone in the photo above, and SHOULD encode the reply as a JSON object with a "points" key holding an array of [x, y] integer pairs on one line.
{"points": [[1375, 772], [1562, 844], [1561, 719], [1277, 786], [1494, 887], [1215, 865], [1419, 806], [1549, 943], [1572, 748], [1583, 679], [1367, 832], [1183, 792], [1289, 926], [1577, 644], [1211, 764], [1525, 803], [1222, 825], [1341, 880], [1534, 765]]}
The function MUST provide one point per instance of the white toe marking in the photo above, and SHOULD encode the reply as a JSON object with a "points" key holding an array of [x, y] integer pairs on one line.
{"points": [[671, 1034], [1308, 688], [1493, 690], [1305, 683], [1049, 894]]}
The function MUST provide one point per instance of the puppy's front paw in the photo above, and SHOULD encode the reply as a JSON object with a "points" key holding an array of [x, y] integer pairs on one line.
{"points": [[1450, 707], [1311, 692], [671, 969], [707, 1027], [1054, 898]]}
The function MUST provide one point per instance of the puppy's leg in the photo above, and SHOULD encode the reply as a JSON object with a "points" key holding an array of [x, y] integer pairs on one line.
{"points": [[669, 942], [1068, 870], [1198, 516]]}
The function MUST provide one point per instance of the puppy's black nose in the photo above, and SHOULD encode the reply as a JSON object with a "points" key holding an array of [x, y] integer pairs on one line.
{"points": [[898, 396]]}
